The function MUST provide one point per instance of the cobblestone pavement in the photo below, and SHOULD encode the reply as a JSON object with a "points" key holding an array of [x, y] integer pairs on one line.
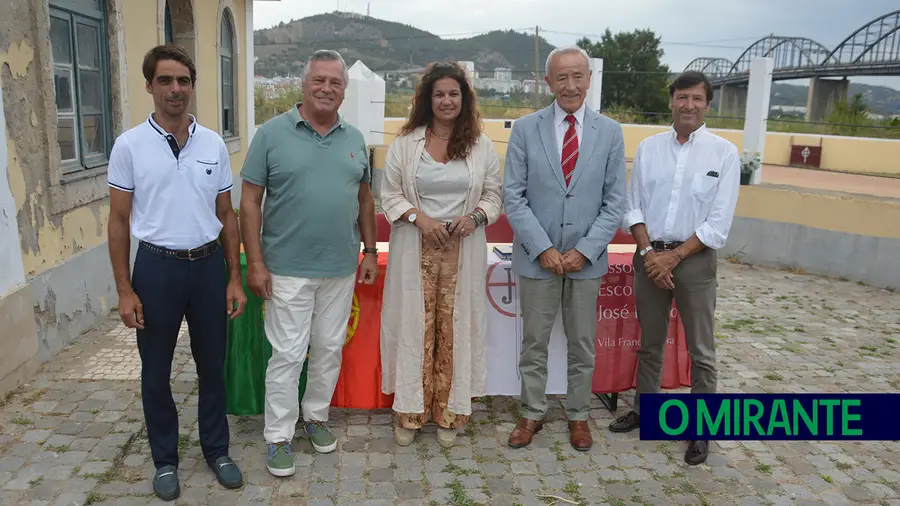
{"points": [[75, 434]]}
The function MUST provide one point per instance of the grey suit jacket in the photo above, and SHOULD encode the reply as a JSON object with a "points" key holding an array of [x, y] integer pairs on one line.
{"points": [[544, 213]]}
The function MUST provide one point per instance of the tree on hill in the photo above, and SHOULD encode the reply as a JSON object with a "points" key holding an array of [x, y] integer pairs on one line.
{"points": [[633, 75]]}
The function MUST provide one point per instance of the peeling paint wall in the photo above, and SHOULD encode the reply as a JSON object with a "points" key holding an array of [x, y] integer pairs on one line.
{"points": [[46, 239], [53, 251], [58, 231]]}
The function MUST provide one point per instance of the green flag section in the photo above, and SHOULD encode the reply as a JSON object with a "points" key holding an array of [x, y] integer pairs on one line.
{"points": [[247, 355]]}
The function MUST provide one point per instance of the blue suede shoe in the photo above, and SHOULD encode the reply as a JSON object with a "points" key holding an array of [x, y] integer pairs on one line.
{"points": [[227, 472], [165, 483]]}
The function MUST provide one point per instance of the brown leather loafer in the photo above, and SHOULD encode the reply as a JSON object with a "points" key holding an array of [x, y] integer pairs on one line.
{"points": [[626, 423], [580, 435], [523, 433]]}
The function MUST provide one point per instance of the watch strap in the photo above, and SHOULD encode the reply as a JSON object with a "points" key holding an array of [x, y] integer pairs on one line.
{"points": [[367, 251]]}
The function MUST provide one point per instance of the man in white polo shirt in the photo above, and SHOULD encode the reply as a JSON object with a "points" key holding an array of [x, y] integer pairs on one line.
{"points": [[172, 178]]}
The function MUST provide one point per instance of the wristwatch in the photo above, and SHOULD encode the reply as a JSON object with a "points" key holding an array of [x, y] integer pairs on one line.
{"points": [[412, 218], [646, 250], [367, 251]]}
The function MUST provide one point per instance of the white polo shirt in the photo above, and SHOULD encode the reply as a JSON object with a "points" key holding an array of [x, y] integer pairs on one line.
{"points": [[174, 202]]}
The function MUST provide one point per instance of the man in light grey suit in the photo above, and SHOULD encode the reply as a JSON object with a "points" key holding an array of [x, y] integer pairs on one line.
{"points": [[564, 194]]}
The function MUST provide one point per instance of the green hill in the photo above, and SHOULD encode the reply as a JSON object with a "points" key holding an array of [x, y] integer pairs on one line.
{"points": [[385, 45]]}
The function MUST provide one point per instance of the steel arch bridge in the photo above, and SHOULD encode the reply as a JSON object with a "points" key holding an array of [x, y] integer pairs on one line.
{"points": [[873, 50]]}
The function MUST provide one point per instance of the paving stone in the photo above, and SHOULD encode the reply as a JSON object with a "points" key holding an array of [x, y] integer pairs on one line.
{"points": [[409, 490], [84, 424]]}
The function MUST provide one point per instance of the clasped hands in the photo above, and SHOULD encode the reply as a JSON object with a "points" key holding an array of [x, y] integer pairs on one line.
{"points": [[659, 267], [561, 263], [437, 234]]}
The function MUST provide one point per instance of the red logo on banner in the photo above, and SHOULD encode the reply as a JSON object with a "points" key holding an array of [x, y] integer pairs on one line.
{"points": [[500, 283]]}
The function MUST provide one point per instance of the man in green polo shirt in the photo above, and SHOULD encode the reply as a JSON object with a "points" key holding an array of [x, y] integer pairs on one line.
{"points": [[314, 170]]}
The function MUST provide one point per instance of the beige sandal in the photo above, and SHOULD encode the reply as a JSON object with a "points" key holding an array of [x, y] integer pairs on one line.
{"points": [[446, 437], [404, 436]]}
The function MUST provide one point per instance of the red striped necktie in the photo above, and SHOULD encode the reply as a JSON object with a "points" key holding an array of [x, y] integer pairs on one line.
{"points": [[570, 150]]}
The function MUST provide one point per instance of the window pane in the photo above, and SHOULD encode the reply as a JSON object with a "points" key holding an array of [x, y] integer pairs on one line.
{"points": [[170, 32], [227, 72], [62, 81], [227, 127], [60, 40], [91, 92], [66, 138], [93, 135], [226, 34], [88, 47], [226, 95]]}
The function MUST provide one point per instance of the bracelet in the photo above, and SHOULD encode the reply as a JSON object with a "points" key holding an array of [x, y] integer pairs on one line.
{"points": [[478, 217]]}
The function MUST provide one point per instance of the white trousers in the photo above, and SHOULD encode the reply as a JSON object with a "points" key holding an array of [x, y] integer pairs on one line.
{"points": [[304, 314]]}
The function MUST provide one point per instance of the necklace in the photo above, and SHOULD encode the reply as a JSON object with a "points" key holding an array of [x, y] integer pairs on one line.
{"points": [[439, 137]]}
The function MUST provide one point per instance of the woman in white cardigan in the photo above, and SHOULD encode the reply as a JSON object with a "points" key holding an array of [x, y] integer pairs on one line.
{"points": [[441, 188]]}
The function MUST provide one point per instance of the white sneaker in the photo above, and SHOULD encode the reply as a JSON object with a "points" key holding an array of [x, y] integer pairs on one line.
{"points": [[446, 437], [404, 436]]}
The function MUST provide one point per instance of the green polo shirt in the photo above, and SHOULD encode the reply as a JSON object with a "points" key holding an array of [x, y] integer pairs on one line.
{"points": [[311, 202]]}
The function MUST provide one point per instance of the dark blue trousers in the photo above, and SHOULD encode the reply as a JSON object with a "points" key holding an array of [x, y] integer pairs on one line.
{"points": [[172, 290]]}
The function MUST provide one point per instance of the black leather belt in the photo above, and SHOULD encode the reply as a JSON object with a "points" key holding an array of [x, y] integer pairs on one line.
{"points": [[664, 246], [183, 254]]}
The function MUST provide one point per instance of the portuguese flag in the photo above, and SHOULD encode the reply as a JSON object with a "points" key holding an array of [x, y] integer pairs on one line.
{"points": [[248, 352], [359, 385]]}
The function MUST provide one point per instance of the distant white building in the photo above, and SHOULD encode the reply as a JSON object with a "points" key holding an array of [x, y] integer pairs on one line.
{"points": [[469, 67], [502, 74]]}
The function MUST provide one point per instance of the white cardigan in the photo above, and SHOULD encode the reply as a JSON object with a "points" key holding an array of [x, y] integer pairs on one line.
{"points": [[403, 306]]}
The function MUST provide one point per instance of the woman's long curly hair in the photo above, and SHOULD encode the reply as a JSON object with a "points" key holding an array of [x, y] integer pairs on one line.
{"points": [[467, 127]]}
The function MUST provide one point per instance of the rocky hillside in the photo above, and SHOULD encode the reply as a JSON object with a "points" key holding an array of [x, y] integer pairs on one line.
{"points": [[385, 45]]}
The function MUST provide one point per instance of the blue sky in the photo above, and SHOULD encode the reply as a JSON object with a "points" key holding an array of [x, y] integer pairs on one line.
{"points": [[722, 28]]}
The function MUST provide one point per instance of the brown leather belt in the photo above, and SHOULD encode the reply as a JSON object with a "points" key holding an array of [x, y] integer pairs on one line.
{"points": [[183, 254], [665, 246]]}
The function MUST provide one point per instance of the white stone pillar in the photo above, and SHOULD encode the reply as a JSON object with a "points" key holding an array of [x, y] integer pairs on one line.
{"points": [[363, 105], [249, 71], [12, 272], [595, 91], [757, 113]]}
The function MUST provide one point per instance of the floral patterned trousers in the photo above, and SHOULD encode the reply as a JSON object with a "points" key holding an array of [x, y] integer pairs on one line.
{"points": [[439, 268]]}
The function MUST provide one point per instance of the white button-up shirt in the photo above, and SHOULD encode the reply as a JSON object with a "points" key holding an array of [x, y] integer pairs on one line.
{"points": [[678, 190], [562, 126]]}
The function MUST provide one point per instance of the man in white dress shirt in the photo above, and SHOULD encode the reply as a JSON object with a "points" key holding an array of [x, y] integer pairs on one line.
{"points": [[679, 208]]}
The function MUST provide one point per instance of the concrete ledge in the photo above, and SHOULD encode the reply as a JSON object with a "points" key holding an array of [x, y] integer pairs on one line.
{"points": [[871, 260], [827, 210], [68, 299], [18, 340]]}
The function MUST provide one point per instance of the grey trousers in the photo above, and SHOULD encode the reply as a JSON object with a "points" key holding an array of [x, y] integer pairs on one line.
{"points": [[541, 300], [695, 298]]}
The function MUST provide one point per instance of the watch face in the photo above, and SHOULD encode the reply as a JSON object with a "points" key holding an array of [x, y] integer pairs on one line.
{"points": [[412, 217]]}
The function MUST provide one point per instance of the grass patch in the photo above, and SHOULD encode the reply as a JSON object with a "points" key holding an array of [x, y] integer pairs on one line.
{"points": [[574, 492], [94, 498], [458, 471], [764, 468], [829, 479], [773, 376], [843, 466], [21, 420], [458, 496], [558, 450]]}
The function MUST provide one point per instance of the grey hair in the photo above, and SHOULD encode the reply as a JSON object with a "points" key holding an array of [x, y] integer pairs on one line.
{"points": [[326, 55], [565, 50]]}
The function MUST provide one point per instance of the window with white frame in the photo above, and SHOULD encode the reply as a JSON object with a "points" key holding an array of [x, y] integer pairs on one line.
{"points": [[227, 67], [81, 81]]}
